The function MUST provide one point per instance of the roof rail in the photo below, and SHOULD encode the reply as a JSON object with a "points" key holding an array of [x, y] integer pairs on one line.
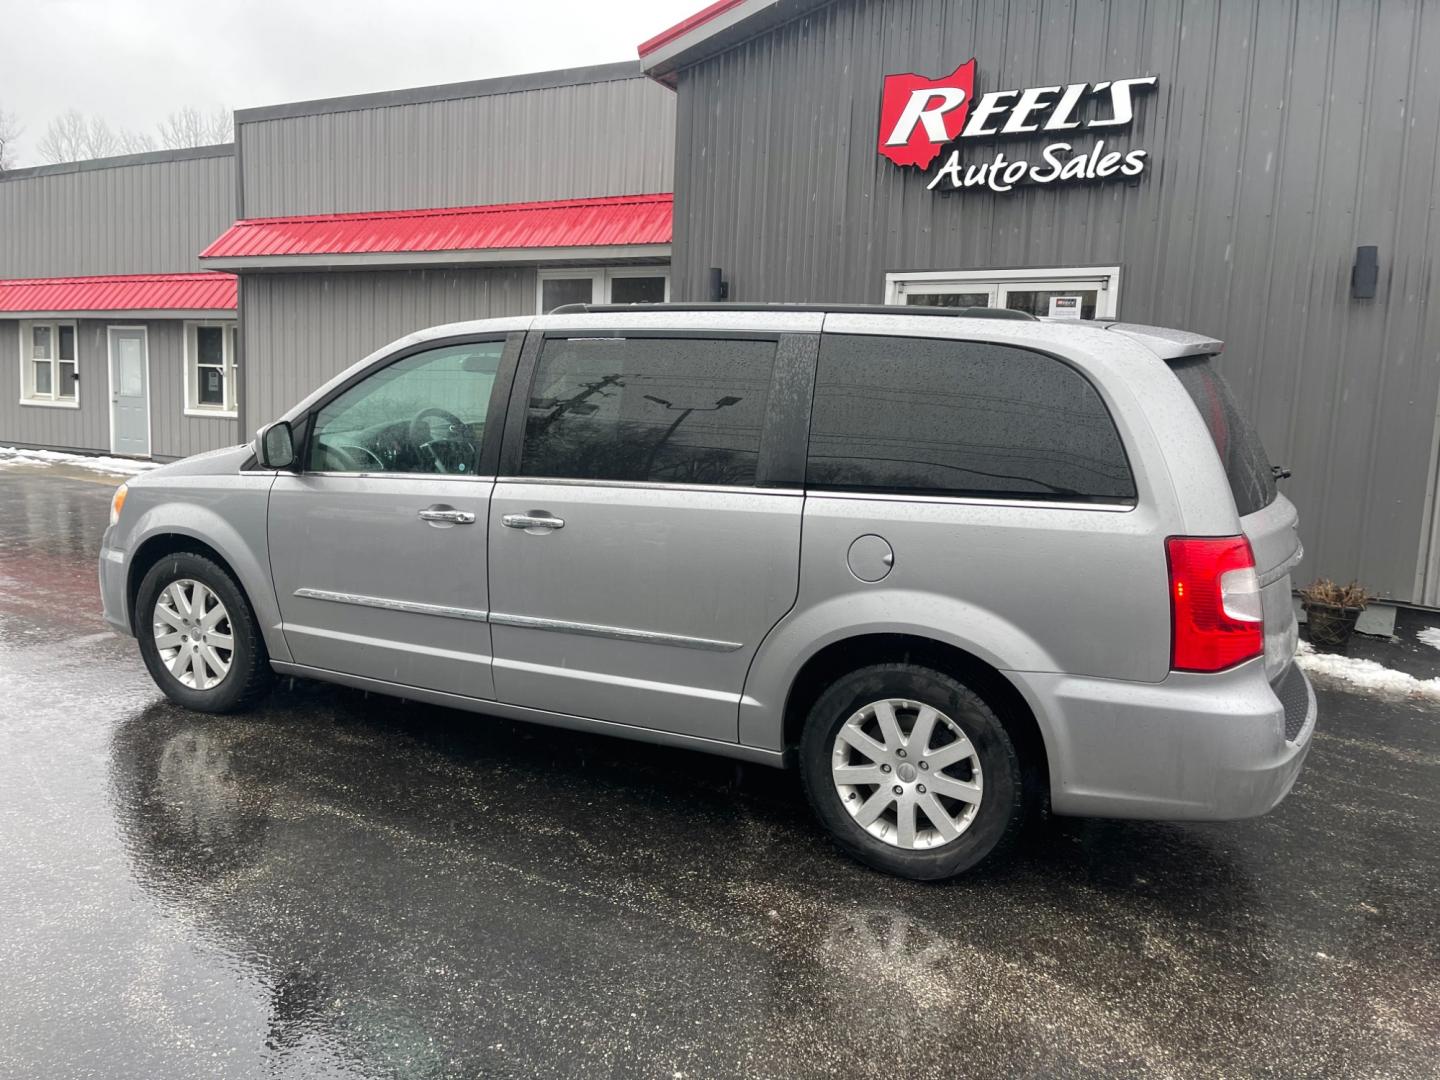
{"points": [[829, 309]]}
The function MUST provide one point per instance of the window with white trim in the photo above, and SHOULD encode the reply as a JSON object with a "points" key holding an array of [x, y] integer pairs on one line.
{"points": [[1063, 292], [49, 364], [211, 387], [602, 285]]}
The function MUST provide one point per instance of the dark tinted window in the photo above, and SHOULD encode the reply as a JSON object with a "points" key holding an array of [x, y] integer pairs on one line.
{"points": [[952, 417], [1247, 466], [678, 410]]}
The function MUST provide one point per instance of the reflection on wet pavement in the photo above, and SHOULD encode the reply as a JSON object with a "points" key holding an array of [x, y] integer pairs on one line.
{"points": [[342, 885]]}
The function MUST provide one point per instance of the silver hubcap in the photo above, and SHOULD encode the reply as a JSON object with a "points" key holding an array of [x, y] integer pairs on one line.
{"points": [[193, 634], [907, 774]]}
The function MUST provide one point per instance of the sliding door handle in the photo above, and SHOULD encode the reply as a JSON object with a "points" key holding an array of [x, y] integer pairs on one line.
{"points": [[536, 519], [447, 513]]}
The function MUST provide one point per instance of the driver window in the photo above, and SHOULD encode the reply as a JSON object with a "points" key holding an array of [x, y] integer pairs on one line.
{"points": [[422, 414]]}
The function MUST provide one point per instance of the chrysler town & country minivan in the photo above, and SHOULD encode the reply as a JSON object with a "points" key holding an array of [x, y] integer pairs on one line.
{"points": [[956, 568]]}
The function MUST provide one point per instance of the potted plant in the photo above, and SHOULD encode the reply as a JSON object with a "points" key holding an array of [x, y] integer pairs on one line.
{"points": [[1331, 611]]}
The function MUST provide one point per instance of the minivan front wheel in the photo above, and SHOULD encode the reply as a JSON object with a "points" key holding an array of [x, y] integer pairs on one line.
{"points": [[911, 771], [198, 636]]}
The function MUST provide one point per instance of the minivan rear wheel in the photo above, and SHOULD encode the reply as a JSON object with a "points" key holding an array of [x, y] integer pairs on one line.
{"points": [[911, 771], [198, 636]]}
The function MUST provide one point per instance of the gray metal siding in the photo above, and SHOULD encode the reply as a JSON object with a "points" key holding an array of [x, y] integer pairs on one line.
{"points": [[148, 218], [85, 428], [172, 434], [1282, 135], [602, 138], [300, 329]]}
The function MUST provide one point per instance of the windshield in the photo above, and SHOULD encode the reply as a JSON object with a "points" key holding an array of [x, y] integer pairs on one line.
{"points": [[1247, 466]]}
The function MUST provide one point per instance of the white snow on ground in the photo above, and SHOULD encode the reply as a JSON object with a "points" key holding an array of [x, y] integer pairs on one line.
{"points": [[10, 455], [1430, 636], [1365, 674]]}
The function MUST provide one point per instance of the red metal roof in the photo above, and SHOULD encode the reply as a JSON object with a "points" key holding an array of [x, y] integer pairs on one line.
{"points": [[615, 220], [208, 291], [701, 17]]}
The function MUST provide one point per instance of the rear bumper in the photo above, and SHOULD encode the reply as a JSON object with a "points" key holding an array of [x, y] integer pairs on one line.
{"points": [[1194, 747]]}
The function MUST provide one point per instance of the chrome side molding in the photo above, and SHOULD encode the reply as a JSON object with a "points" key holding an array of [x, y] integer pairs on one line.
{"points": [[527, 622], [385, 604], [618, 633]]}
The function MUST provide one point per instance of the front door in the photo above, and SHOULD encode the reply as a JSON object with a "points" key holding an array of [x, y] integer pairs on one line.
{"points": [[636, 562], [377, 547], [129, 391]]}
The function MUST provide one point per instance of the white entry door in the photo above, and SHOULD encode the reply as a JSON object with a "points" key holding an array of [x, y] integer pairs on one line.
{"points": [[129, 391], [1089, 292]]}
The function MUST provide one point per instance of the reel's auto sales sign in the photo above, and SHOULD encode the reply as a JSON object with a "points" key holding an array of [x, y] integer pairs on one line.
{"points": [[919, 117]]}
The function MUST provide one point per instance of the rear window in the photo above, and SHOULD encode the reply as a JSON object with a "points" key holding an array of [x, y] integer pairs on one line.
{"points": [[1247, 466], [912, 415]]}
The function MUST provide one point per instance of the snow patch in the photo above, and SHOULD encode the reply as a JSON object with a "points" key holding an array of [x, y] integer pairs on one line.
{"points": [[1365, 674], [1430, 636], [11, 455]]}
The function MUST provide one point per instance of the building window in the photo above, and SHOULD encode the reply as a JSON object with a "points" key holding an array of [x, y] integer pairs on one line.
{"points": [[49, 368], [1070, 292], [211, 387], [603, 285]]}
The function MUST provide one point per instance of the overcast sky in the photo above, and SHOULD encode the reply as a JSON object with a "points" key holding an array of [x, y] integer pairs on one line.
{"points": [[135, 61]]}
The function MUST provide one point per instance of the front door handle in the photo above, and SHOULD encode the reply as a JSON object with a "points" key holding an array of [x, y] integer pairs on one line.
{"points": [[447, 513], [536, 519]]}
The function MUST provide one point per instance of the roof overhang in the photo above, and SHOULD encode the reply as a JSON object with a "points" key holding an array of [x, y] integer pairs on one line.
{"points": [[133, 296], [602, 229], [401, 260], [146, 314], [712, 29]]}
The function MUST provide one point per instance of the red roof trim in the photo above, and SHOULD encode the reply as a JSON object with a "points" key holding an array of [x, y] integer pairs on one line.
{"points": [[206, 291], [599, 222], [700, 18]]}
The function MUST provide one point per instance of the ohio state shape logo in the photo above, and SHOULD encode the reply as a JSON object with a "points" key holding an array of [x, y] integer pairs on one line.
{"points": [[918, 116]]}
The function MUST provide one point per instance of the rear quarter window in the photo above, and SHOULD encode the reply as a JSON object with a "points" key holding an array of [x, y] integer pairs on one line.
{"points": [[924, 416], [1247, 466]]}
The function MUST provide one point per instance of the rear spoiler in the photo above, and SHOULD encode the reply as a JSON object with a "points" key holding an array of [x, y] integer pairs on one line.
{"points": [[1166, 343]]}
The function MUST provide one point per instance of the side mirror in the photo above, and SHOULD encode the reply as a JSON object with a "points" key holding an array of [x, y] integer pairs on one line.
{"points": [[275, 446]]}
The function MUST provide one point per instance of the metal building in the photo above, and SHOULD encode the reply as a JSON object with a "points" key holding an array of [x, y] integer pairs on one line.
{"points": [[363, 218], [1281, 139], [341, 224], [112, 338], [1262, 170]]}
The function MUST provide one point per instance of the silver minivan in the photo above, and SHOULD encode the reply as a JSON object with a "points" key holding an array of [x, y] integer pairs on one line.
{"points": [[955, 566]]}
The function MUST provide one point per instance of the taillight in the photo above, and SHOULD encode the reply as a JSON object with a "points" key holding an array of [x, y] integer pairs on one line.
{"points": [[1215, 616]]}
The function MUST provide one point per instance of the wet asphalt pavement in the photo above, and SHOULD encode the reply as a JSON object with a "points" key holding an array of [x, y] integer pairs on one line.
{"points": [[338, 885]]}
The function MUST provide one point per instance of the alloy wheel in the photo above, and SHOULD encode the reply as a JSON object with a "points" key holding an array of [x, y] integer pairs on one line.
{"points": [[193, 634], [907, 774]]}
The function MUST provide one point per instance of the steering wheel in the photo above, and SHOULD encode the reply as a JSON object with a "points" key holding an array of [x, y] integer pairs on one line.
{"points": [[420, 433], [347, 456]]}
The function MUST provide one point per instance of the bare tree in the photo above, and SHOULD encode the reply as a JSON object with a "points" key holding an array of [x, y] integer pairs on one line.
{"points": [[9, 132], [191, 127], [73, 136]]}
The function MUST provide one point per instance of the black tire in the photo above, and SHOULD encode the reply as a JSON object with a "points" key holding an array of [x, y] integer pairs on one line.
{"points": [[1002, 807], [249, 675]]}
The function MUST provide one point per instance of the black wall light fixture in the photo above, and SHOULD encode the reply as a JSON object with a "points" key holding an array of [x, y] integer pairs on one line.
{"points": [[719, 287], [1365, 274]]}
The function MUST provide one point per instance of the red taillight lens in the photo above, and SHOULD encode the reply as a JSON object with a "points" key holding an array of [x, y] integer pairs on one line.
{"points": [[1215, 616]]}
